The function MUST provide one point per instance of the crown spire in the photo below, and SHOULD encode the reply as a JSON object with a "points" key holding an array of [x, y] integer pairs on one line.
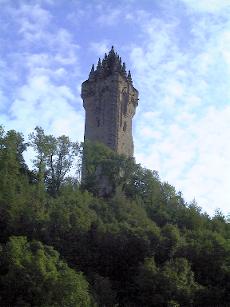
{"points": [[110, 64]]}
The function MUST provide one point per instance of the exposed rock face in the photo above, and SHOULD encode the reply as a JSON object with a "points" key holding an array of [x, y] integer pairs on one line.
{"points": [[110, 101]]}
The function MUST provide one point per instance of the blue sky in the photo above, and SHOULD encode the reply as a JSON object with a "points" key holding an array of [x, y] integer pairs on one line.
{"points": [[178, 52]]}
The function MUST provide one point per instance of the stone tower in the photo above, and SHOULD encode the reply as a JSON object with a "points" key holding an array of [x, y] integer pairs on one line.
{"points": [[110, 101]]}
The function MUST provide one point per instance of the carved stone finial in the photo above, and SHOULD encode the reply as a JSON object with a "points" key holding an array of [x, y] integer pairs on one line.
{"points": [[92, 72], [129, 77], [124, 69], [99, 64], [112, 53]]}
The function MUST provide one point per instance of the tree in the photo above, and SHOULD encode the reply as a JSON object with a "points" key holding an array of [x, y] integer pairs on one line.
{"points": [[170, 241], [172, 284], [54, 158], [104, 171], [13, 179], [12, 164], [177, 282], [33, 275]]}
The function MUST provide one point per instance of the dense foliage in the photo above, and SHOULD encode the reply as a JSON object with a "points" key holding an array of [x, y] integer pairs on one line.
{"points": [[121, 238]]}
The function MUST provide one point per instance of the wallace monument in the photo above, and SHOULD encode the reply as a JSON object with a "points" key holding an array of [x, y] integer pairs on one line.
{"points": [[110, 101]]}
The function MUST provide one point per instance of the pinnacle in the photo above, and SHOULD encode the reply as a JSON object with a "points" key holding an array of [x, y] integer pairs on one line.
{"points": [[99, 64], [129, 77], [92, 72]]}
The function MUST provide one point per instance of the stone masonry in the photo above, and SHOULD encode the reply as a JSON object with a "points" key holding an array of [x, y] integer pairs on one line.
{"points": [[110, 101]]}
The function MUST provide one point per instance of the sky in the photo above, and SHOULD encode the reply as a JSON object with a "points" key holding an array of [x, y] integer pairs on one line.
{"points": [[178, 52]]}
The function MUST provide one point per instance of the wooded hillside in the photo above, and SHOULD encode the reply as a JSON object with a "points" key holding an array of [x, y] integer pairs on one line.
{"points": [[62, 244]]}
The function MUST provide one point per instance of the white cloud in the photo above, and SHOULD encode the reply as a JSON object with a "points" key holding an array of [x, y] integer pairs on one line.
{"points": [[109, 16], [210, 6], [37, 30], [182, 127], [43, 93], [32, 20], [3, 101], [100, 48], [194, 158], [40, 102]]}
